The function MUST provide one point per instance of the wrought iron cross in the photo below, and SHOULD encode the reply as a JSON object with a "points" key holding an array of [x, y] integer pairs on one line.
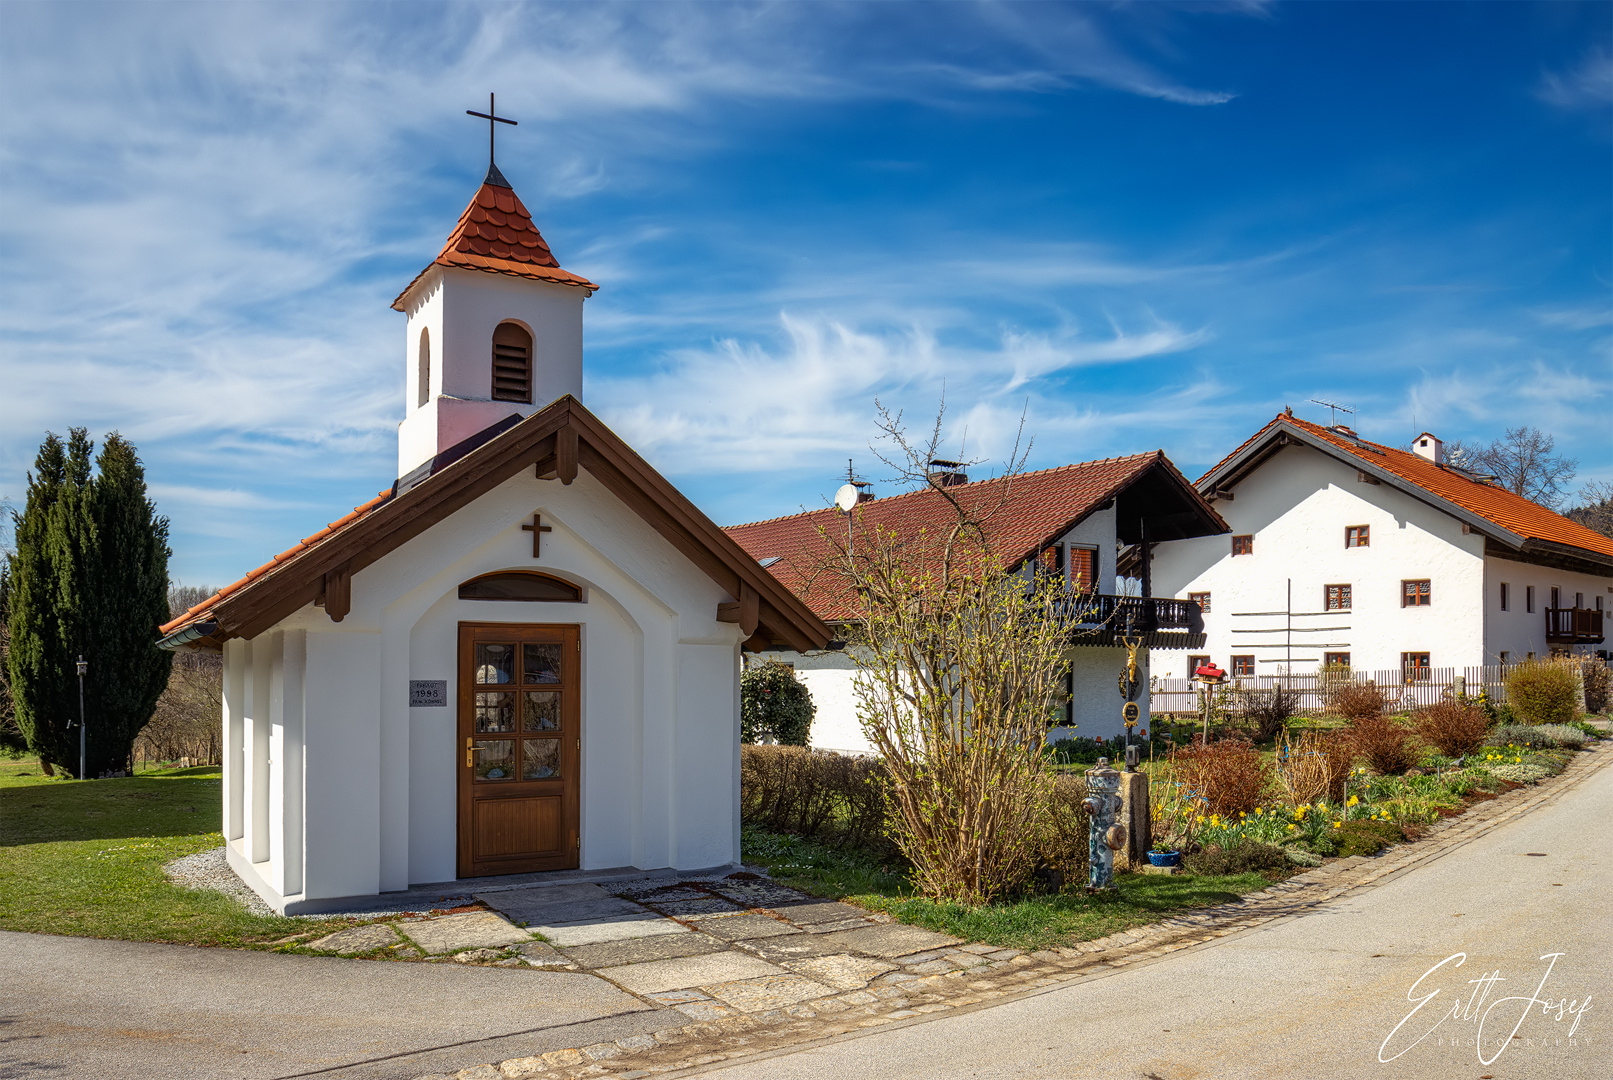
{"points": [[537, 529], [492, 117]]}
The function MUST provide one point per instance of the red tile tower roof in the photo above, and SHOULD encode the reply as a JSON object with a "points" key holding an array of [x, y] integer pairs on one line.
{"points": [[1506, 510], [495, 234]]}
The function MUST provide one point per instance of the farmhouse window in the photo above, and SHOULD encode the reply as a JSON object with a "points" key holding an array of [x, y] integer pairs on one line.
{"points": [[1506, 597], [1338, 598], [1084, 568], [1243, 665], [1415, 593], [1357, 536], [1556, 596], [1243, 545], [1579, 600], [1414, 666], [1202, 599], [1194, 663], [423, 374], [1336, 659], [1529, 599]]}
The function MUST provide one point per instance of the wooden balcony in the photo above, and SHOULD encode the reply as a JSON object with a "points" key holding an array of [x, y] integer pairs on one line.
{"points": [[1162, 622], [1573, 626]]}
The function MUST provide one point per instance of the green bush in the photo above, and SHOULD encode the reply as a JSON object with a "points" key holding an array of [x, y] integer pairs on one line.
{"points": [[1248, 857], [1366, 837], [772, 701], [1564, 735], [814, 793], [1528, 736], [1543, 693]]}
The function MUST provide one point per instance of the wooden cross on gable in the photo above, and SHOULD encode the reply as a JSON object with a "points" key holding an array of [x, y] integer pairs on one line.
{"points": [[537, 529]]}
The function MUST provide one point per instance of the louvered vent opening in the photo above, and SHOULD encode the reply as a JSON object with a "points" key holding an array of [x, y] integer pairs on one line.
{"points": [[512, 363]]}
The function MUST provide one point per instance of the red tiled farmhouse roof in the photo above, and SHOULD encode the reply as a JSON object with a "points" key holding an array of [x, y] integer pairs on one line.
{"points": [[1038, 508], [1496, 505]]}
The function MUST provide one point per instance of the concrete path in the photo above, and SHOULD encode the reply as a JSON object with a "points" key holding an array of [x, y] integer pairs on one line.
{"points": [[1318, 995], [81, 1007]]}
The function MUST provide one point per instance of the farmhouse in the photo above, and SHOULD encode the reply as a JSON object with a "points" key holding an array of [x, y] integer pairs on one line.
{"points": [[1085, 523], [522, 656], [1348, 552]]}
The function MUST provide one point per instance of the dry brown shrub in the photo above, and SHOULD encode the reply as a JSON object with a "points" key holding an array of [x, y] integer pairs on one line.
{"points": [[1386, 745], [1062, 847], [1313, 768], [1228, 776], [1357, 700], [1455, 727], [815, 793]]}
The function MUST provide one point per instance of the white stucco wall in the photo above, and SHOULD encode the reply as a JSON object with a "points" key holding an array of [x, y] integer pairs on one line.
{"points": [[1517, 632], [1297, 506], [376, 791], [461, 309]]}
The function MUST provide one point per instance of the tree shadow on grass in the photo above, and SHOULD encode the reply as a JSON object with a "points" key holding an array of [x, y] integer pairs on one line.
{"points": [[182, 805]]}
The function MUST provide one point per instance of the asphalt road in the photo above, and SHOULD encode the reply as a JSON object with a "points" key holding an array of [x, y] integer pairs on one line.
{"points": [[1317, 996], [80, 1007]]}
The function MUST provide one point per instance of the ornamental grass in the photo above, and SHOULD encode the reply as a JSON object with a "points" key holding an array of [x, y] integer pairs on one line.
{"points": [[1314, 767]]}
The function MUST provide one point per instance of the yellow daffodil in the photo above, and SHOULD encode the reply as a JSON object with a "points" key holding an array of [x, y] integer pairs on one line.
{"points": [[1338, 824], [1259, 810], [1354, 800]]}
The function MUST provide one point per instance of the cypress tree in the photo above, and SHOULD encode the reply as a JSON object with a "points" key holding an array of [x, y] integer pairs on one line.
{"points": [[87, 554]]}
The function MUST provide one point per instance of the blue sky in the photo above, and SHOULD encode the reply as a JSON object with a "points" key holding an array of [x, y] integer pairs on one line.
{"points": [[1140, 225]]}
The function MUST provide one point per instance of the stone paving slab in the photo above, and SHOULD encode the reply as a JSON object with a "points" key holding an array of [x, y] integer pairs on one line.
{"points": [[767, 992], [618, 929], [704, 905], [737, 927], [472, 930], [818, 911], [841, 971], [644, 950], [789, 947], [357, 939], [529, 907], [755, 893], [685, 972], [891, 939]]}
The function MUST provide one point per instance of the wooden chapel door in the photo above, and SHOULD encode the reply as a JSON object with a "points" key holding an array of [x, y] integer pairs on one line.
{"points": [[519, 748]]}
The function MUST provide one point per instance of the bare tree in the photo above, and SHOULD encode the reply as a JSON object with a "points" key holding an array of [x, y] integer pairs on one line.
{"points": [[189, 712], [959, 659], [1525, 463], [1595, 509]]}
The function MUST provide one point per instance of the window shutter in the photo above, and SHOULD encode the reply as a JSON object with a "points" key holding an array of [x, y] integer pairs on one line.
{"points": [[512, 363]]}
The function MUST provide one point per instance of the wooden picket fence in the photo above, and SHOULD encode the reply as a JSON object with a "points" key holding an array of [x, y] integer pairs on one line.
{"points": [[1412, 689]]}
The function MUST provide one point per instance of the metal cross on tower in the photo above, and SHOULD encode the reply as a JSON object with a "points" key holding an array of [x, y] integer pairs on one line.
{"points": [[492, 118]]}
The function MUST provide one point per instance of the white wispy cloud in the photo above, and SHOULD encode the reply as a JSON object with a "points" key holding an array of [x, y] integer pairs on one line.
{"points": [[1588, 85]]}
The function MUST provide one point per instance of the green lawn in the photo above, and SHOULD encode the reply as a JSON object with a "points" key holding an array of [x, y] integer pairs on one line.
{"points": [[85, 858], [1037, 922]]}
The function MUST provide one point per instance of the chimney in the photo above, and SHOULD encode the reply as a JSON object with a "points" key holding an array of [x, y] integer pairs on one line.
{"points": [[1426, 446], [947, 473]]}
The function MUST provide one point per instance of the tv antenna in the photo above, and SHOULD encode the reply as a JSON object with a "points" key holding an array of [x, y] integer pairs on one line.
{"points": [[1334, 409]]}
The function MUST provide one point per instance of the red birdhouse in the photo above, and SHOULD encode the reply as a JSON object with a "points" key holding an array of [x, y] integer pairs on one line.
{"points": [[1209, 673]]}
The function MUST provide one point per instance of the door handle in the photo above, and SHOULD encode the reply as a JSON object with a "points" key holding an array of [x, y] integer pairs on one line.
{"points": [[471, 746]]}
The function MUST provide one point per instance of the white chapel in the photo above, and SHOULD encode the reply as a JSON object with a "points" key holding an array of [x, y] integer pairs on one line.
{"points": [[522, 656]]}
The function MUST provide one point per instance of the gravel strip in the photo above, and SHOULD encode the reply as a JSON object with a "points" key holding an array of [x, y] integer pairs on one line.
{"points": [[211, 870]]}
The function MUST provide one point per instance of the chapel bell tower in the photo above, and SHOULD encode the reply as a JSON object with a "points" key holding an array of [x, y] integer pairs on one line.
{"points": [[495, 327]]}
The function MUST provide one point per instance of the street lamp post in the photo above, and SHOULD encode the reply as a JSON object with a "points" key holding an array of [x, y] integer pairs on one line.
{"points": [[83, 666]]}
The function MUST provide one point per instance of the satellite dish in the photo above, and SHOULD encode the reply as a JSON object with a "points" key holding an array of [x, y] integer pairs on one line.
{"points": [[846, 497]]}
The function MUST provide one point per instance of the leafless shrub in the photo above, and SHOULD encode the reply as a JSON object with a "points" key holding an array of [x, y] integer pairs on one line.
{"points": [[1454, 727], [1355, 700], [1386, 745], [1226, 776]]}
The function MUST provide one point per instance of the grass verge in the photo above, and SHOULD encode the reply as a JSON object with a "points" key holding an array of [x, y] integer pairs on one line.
{"points": [[1034, 922], [85, 858]]}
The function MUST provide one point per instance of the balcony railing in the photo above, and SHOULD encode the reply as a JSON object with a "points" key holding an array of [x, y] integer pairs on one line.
{"points": [[1573, 626], [1158, 617]]}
